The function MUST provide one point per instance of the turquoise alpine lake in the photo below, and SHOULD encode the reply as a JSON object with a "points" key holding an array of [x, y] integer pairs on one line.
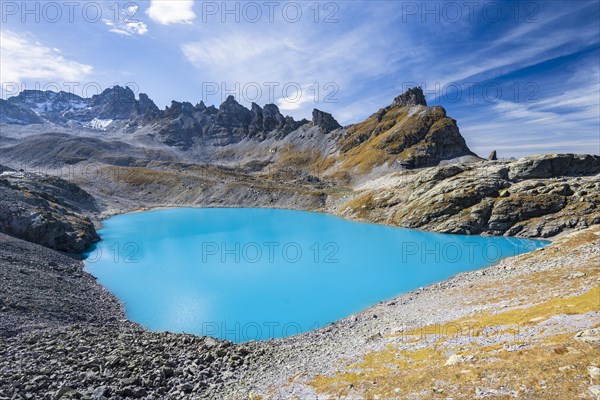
{"points": [[255, 274]]}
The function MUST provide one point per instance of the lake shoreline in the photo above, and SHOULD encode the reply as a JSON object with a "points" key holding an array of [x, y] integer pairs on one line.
{"points": [[254, 367], [466, 253]]}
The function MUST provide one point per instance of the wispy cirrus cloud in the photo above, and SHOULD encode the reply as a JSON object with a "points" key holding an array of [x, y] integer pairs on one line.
{"points": [[519, 46], [24, 57], [168, 12], [326, 67], [566, 121]]}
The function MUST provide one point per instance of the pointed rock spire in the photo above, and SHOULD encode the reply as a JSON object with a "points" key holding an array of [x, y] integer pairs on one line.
{"points": [[412, 97], [325, 121]]}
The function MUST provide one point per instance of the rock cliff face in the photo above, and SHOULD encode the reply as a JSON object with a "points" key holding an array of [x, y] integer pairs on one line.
{"points": [[493, 198], [183, 125], [46, 210], [325, 121], [558, 165]]}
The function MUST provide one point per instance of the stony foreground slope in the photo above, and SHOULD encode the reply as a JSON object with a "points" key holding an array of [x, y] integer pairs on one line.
{"points": [[63, 336]]}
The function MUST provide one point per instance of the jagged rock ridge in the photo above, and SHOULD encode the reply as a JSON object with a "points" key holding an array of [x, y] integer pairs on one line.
{"points": [[178, 125], [115, 104], [405, 134]]}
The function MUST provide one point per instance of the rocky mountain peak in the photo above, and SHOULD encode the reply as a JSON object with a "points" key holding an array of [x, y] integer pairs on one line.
{"points": [[229, 101], [116, 94], [412, 97], [325, 121], [255, 108], [178, 108], [114, 103], [47, 101], [200, 106], [146, 106], [16, 114]]}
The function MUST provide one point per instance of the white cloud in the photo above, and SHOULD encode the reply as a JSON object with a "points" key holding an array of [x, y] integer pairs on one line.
{"points": [[229, 50], [23, 58], [167, 12], [127, 24], [127, 28], [323, 64]]}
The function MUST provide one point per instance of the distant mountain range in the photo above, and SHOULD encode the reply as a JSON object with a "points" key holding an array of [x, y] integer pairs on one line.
{"points": [[408, 133]]}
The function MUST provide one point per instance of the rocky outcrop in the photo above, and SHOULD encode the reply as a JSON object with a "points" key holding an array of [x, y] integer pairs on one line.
{"points": [[406, 133], [146, 107], [412, 97], [114, 103], [492, 198], [552, 166], [493, 156], [46, 210], [269, 119], [325, 121]]}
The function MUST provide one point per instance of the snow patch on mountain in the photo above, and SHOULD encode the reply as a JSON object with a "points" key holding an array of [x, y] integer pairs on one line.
{"points": [[99, 124]]}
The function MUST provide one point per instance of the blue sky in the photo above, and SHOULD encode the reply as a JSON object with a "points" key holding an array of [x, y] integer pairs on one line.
{"points": [[520, 77]]}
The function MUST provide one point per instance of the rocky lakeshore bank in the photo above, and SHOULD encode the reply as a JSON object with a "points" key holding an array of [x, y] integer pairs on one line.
{"points": [[63, 336]]}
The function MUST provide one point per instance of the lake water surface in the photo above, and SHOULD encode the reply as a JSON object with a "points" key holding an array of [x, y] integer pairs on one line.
{"points": [[255, 274]]}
